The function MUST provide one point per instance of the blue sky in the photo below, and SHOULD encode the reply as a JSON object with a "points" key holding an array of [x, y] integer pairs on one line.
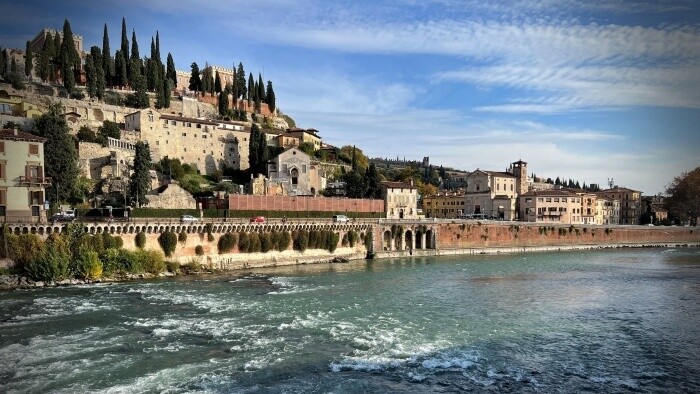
{"points": [[589, 90]]}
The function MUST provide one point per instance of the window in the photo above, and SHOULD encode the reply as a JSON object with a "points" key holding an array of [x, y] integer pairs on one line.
{"points": [[199, 126], [548, 199], [204, 136], [511, 187], [563, 199], [303, 168], [35, 210], [33, 149], [2, 146], [174, 123], [2, 169], [556, 200], [150, 118], [36, 198], [188, 124], [184, 134], [528, 199], [539, 199]]}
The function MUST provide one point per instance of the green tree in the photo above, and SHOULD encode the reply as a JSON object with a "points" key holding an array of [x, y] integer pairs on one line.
{"points": [[217, 83], [60, 156], [270, 97], [13, 66], [170, 71], [374, 183], [251, 88], [361, 161], [167, 88], [107, 66], [109, 129], [45, 58], [210, 82], [684, 196], [121, 69], [257, 153], [138, 99], [355, 185], [195, 79], [69, 58], [135, 64], [86, 134], [261, 88], [240, 81], [28, 61], [141, 178], [90, 74], [125, 46], [100, 83], [223, 102]]}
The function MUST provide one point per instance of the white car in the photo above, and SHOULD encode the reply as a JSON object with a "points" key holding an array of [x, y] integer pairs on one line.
{"points": [[340, 219], [188, 219]]}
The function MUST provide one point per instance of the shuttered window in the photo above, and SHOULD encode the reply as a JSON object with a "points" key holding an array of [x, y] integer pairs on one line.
{"points": [[33, 149]]}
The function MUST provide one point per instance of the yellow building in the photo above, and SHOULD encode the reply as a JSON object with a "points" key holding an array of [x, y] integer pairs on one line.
{"points": [[630, 203], [16, 106], [444, 205], [22, 180], [306, 135], [400, 200], [551, 206]]}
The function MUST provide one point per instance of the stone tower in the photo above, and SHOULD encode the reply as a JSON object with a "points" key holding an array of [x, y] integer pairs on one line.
{"points": [[520, 171]]}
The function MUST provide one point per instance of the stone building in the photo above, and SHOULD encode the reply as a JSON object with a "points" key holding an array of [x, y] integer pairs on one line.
{"points": [[444, 205], [295, 168], [630, 203], [400, 200], [306, 135], [16, 105], [607, 210], [492, 194], [22, 181], [37, 43], [551, 206], [205, 144]]}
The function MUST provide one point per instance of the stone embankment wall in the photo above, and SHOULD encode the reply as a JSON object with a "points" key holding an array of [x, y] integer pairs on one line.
{"points": [[462, 236]]}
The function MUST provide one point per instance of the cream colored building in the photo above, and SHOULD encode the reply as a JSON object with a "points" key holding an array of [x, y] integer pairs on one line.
{"points": [[588, 205], [630, 203], [295, 169], [205, 144], [610, 209], [17, 106], [491, 194], [400, 200], [22, 180], [551, 206]]}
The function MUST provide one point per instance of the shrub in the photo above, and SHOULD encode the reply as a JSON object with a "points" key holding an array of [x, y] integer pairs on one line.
{"points": [[24, 248], [345, 241], [368, 239], [168, 242], [199, 250], [151, 260], [301, 240], [193, 265], [226, 243], [352, 238], [210, 237], [111, 262], [283, 241], [140, 240], [173, 266], [111, 242], [332, 241], [265, 242], [182, 236], [243, 242], [128, 262], [86, 264], [254, 243], [53, 263]]}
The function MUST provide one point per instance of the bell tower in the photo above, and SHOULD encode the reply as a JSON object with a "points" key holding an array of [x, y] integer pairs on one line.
{"points": [[520, 172]]}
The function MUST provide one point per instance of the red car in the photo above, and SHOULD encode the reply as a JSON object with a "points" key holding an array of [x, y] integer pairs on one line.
{"points": [[258, 219]]}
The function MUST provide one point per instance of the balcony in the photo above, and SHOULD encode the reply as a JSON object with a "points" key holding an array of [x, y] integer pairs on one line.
{"points": [[35, 181]]}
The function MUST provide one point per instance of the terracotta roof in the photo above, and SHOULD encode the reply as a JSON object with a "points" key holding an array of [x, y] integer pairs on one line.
{"points": [[9, 134], [549, 193], [398, 185], [500, 174], [618, 189]]}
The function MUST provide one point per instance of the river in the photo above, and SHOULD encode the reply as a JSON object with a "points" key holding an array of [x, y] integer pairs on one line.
{"points": [[624, 320]]}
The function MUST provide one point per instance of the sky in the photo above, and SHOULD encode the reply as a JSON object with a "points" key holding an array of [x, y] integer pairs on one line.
{"points": [[588, 90]]}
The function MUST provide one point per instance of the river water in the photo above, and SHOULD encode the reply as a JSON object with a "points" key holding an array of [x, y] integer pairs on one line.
{"points": [[623, 320]]}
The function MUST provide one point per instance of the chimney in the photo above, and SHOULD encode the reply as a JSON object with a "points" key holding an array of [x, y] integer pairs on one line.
{"points": [[410, 182], [15, 131]]}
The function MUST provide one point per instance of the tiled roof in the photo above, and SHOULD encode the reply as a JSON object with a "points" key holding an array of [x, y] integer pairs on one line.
{"points": [[398, 185], [549, 193], [618, 189], [9, 134]]}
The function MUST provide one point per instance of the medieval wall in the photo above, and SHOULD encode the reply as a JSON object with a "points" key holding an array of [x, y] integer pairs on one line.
{"points": [[303, 204]]}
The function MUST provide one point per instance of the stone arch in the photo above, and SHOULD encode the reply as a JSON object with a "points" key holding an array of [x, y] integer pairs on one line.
{"points": [[408, 240], [386, 240], [98, 115], [430, 239], [419, 240]]}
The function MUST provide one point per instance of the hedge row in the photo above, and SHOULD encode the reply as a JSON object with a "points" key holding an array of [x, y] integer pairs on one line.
{"points": [[226, 213]]}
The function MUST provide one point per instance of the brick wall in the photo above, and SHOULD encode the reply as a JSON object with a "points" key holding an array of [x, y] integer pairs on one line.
{"points": [[303, 204]]}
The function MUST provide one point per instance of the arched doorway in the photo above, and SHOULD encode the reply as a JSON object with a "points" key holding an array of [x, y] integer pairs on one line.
{"points": [[387, 240], [429, 239], [295, 176], [401, 213], [409, 240], [419, 240]]}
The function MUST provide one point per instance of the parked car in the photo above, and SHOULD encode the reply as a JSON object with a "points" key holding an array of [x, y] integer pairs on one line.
{"points": [[188, 219], [62, 217], [258, 219], [340, 219]]}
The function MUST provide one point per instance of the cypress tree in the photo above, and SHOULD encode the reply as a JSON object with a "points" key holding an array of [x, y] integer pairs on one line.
{"points": [[140, 179], [125, 42], [240, 80], [69, 58], [261, 88], [217, 83], [170, 73], [270, 97], [107, 67], [167, 87], [45, 59], [223, 102], [122, 78], [195, 80], [210, 82], [134, 63], [157, 54], [29, 61], [60, 155], [13, 66], [253, 148], [251, 88], [153, 48], [101, 81], [234, 92], [139, 99], [205, 78], [57, 46], [91, 77]]}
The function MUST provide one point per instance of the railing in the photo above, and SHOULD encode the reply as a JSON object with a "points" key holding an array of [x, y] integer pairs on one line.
{"points": [[35, 180]]}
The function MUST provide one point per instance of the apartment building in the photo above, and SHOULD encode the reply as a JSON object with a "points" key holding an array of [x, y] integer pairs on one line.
{"points": [[22, 181], [551, 206], [630, 203]]}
